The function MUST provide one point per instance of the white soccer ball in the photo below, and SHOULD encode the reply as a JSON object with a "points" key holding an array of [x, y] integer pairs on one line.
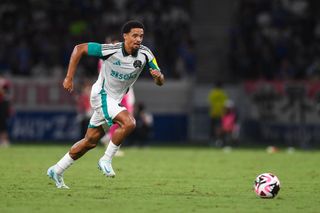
{"points": [[267, 185]]}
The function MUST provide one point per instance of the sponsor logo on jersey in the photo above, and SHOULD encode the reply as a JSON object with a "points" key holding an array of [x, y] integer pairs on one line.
{"points": [[117, 63], [122, 76]]}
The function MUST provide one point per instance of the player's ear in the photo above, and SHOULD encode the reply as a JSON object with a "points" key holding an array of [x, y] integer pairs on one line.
{"points": [[125, 35]]}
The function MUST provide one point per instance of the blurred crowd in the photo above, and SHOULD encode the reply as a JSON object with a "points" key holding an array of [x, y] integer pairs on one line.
{"points": [[38, 36], [276, 39]]}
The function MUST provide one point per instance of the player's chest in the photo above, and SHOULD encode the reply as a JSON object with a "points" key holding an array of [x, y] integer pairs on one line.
{"points": [[126, 64]]}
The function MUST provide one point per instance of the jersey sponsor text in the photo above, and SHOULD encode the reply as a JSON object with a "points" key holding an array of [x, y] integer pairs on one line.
{"points": [[122, 76]]}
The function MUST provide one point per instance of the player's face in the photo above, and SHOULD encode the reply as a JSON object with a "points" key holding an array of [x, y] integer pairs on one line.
{"points": [[134, 38]]}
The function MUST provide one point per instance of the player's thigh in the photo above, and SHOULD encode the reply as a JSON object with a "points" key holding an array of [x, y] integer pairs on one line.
{"points": [[124, 118], [118, 113]]}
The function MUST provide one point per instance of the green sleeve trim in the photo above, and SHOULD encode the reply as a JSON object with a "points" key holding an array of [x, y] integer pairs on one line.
{"points": [[92, 126], [94, 49]]}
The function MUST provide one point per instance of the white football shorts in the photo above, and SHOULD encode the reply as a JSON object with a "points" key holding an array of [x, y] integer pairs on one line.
{"points": [[105, 109]]}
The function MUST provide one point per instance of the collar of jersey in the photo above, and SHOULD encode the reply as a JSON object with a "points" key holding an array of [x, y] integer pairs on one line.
{"points": [[124, 52]]}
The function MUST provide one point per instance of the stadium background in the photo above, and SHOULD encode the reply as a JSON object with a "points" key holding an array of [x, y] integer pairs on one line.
{"points": [[265, 52]]}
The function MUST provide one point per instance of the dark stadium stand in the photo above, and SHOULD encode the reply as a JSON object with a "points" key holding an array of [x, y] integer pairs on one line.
{"points": [[38, 36], [275, 40]]}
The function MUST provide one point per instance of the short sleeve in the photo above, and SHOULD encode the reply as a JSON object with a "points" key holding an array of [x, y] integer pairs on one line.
{"points": [[94, 49], [152, 62], [108, 49]]}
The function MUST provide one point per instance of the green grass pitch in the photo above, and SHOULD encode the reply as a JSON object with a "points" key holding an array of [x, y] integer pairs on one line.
{"points": [[158, 179]]}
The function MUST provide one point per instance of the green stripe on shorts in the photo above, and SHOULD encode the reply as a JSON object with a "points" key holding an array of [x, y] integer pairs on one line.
{"points": [[105, 106], [92, 126]]}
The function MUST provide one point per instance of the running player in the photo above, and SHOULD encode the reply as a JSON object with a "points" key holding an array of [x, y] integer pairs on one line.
{"points": [[123, 63], [128, 102]]}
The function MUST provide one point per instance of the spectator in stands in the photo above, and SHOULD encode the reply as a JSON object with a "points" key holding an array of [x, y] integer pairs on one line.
{"points": [[187, 59], [265, 98], [275, 39], [41, 45]]}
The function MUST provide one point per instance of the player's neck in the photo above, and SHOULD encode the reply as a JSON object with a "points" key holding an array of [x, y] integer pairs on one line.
{"points": [[128, 50]]}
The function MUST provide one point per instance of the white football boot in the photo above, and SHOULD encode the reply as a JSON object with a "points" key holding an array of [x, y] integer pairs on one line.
{"points": [[106, 168], [58, 179]]}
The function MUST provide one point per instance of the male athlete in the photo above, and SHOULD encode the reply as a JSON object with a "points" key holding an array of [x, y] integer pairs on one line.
{"points": [[123, 63]]}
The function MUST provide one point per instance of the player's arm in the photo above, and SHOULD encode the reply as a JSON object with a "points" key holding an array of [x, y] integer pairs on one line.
{"points": [[155, 72], [91, 48], [78, 51]]}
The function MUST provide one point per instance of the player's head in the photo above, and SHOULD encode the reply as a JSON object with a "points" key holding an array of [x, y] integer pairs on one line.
{"points": [[133, 32]]}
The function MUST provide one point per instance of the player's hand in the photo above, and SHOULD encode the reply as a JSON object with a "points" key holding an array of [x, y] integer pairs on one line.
{"points": [[155, 73], [68, 84], [157, 76]]}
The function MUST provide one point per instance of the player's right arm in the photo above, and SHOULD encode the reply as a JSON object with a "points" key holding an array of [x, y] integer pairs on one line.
{"points": [[91, 48], [78, 51]]}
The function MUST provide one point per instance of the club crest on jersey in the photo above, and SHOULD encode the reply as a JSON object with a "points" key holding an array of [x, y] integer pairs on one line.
{"points": [[137, 64]]}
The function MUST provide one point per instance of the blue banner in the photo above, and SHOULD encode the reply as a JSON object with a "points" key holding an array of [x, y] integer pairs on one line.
{"points": [[63, 126], [286, 134], [44, 126]]}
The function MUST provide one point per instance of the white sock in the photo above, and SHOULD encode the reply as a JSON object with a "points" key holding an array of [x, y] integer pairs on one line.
{"points": [[110, 151], [65, 162]]}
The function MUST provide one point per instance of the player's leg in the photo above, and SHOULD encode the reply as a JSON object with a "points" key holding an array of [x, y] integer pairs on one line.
{"points": [[126, 125], [90, 141], [108, 136]]}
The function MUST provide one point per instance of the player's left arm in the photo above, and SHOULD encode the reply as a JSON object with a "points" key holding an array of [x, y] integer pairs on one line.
{"points": [[155, 72]]}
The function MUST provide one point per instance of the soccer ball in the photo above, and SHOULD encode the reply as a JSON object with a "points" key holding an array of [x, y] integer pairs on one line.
{"points": [[267, 185]]}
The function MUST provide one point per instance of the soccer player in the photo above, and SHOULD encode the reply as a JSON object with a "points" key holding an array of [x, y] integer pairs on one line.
{"points": [[123, 63], [128, 101]]}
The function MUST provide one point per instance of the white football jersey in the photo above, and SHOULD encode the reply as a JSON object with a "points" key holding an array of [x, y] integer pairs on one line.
{"points": [[120, 70]]}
